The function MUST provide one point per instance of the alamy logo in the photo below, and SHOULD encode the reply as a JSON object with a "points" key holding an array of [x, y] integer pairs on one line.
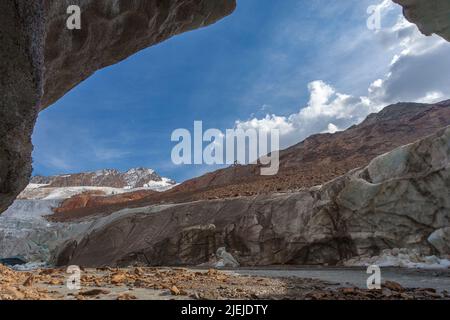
{"points": [[74, 20], [374, 281], [374, 20], [74, 278], [235, 146]]}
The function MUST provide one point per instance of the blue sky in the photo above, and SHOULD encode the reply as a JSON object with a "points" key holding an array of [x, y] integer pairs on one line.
{"points": [[263, 59]]}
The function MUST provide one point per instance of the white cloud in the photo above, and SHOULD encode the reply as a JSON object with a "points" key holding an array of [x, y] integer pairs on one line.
{"points": [[417, 72], [327, 111], [332, 128]]}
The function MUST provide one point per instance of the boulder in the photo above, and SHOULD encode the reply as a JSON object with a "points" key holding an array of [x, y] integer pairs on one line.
{"points": [[225, 259], [440, 240]]}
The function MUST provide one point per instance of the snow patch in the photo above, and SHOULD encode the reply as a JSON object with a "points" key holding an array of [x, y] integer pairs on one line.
{"points": [[30, 266], [68, 192], [45, 193], [163, 185], [36, 185]]}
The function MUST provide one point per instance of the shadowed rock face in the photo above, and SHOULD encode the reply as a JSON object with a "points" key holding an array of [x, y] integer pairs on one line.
{"points": [[400, 200], [21, 63], [41, 60], [431, 16]]}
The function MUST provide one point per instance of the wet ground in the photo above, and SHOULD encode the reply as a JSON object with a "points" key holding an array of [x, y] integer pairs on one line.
{"points": [[139, 283], [410, 278]]}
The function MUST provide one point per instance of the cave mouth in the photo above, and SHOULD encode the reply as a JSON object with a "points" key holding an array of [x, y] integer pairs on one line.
{"points": [[111, 112], [43, 59]]}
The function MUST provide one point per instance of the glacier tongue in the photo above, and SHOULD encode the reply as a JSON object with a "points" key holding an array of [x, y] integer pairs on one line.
{"points": [[25, 233], [31, 209]]}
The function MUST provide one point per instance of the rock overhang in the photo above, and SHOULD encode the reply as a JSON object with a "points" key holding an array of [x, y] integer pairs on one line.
{"points": [[430, 16], [41, 59]]}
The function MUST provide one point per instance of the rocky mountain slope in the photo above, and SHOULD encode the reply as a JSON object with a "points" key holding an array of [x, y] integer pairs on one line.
{"points": [[322, 157], [317, 160], [132, 179], [400, 200]]}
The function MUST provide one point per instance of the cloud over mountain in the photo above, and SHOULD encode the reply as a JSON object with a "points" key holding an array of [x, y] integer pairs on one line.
{"points": [[418, 72]]}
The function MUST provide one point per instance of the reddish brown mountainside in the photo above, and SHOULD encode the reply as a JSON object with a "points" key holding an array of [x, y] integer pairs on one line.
{"points": [[316, 160], [323, 157]]}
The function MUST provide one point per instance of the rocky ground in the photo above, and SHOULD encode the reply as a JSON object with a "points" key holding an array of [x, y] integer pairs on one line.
{"points": [[179, 283]]}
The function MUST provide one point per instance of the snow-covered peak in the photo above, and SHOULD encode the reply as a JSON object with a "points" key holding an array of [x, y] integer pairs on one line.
{"points": [[131, 179], [140, 171], [106, 172], [163, 185], [138, 177]]}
